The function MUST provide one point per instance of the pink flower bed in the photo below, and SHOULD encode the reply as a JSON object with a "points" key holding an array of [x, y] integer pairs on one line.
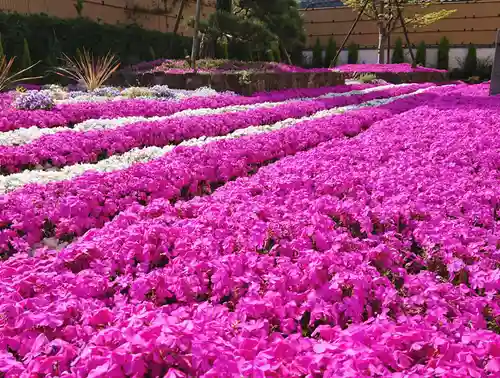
{"points": [[359, 245], [69, 208], [69, 147], [393, 68]]}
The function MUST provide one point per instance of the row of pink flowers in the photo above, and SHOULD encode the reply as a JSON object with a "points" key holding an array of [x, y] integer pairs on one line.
{"points": [[69, 208], [392, 68], [66, 148], [300, 270]]}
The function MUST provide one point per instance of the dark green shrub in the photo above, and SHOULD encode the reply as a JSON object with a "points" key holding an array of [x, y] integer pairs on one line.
{"points": [[317, 58], [352, 53], [443, 54], [470, 63], [130, 43], [421, 56], [398, 55], [331, 50]]}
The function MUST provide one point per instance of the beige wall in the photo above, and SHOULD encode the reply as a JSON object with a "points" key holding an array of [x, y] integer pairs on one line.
{"points": [[474, 22], [150, 14]]}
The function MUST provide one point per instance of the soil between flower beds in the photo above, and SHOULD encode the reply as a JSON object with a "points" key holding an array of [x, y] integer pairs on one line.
{"points": [[243, 82]]}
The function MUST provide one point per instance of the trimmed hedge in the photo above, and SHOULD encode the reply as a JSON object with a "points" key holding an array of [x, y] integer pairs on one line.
{"points": [[49, 36]]}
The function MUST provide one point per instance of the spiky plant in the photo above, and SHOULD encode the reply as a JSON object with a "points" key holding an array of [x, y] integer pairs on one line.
{"points": [[8, 77], [86, 68]]}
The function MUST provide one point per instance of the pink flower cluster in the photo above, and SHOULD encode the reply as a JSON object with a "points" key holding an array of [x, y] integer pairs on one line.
{"points": [[373, 255], [66, 148], [393, 68], [68, 114]]}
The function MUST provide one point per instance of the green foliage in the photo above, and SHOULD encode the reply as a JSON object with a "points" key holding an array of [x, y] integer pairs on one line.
{"points": [[398, 55], [331, 50], [365, 78], [276, 52], [352, 53], [44, 33], [152, 53], [470, 63], [317, 55], [26, 58], [224, 5], [443, 54], [270, 55], [421, 55], [79, 7], [252, 27], [2, 53]]}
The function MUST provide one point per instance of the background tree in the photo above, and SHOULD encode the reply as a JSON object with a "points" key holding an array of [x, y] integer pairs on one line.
{"points": [[259, 25], [352, 53], [421, 56], [317, 52], [384, 13], [331, 49], [470, 63], [398, 55], [443, 54]]}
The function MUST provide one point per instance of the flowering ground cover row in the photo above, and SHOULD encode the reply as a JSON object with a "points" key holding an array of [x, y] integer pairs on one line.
{"points": [[275, 275], [69, 208], [395, 68], [69, 114], [68, 148], [12, 182]]}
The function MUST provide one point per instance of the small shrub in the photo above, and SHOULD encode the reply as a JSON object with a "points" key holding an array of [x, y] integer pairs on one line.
{"points": [[331, 50], [470, 63], [398, 55], [84, 68], [135, 92], [443, 54], [34, 100], [317, 58], [352, 53], [421, 56]]}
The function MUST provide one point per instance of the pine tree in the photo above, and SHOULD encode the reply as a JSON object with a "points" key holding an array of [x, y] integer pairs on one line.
{"points": [[352, 53], [443, 54], [398, 53], [421, 56], [470, 63], [317, 58], [331, 50]]}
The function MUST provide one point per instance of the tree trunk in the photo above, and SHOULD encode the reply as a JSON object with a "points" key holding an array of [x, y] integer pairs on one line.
{"points": [[179, 16], [382, 39]]}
